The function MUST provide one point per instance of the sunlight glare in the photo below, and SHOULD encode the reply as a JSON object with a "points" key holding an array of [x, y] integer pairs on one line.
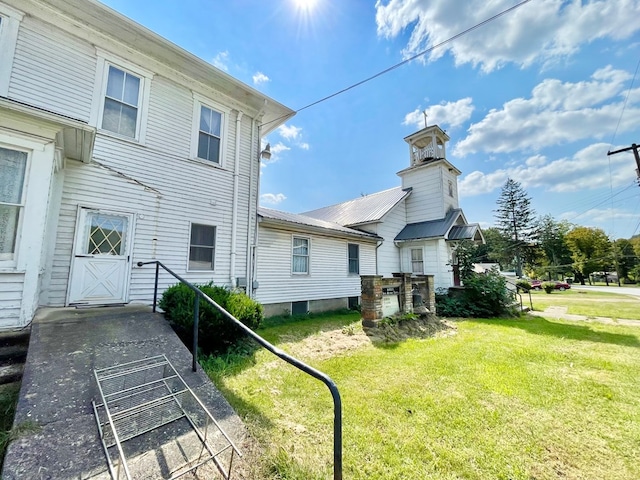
{"points": [[305, 5]]}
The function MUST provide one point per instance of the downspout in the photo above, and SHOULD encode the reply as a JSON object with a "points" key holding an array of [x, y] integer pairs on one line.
{"points": [[252, 260], [234, 211]]}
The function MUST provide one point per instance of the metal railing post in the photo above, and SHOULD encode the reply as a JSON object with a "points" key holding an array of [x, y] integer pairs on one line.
{"points": [[155, 288], [196, 317], [318, 375]]}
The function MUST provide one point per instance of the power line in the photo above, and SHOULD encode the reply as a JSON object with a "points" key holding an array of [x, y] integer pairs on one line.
{"points": [[397, 65]]}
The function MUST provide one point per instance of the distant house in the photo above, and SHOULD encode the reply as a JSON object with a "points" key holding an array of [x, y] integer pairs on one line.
{"points": [[116, 146], [416, 226]]}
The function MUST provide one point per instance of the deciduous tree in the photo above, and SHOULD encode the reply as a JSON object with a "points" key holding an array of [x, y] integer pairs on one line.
{"points": [[590, 250]]}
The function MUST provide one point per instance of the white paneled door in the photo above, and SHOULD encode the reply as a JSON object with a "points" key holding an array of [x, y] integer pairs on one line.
{"points": [[101, 262]]}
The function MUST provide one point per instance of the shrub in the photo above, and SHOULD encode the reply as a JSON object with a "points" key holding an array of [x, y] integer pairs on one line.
{"points": [[484, 295], [215, 331], [523, 285], [549, 286]]}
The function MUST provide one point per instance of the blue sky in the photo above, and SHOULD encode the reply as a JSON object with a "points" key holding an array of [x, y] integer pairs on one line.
{"points": [[539, 95]]}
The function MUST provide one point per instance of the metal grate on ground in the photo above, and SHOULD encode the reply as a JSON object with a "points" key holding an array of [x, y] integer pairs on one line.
{"points": [[146, 406]]}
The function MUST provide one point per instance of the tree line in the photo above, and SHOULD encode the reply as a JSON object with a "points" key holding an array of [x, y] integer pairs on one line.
{"points": [[545, 248]]}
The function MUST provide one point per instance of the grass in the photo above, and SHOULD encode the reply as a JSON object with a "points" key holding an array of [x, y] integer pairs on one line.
{"points": [[8, 400], [591, 304], [512, 399]]}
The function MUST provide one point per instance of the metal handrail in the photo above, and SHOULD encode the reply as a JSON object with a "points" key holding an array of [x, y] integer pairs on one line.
{"points": [[335, 394]]}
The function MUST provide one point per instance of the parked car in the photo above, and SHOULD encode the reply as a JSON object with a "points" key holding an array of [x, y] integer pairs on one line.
{"points": [[562, 286], [537, 285]]}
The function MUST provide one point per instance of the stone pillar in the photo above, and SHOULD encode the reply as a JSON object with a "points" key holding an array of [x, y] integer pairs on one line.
{"points": [[371, 299], [428, 291], [406, 296]]}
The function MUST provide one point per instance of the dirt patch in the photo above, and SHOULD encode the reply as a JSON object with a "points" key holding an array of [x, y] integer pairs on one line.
{"points": [[354, 337]]}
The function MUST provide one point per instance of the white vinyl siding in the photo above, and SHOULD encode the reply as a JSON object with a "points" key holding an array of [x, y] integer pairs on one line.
{"points": [[53, 70], [11, 287], [9, 26], [164, 210], [426, 201], [388, 254], [328, 276]]}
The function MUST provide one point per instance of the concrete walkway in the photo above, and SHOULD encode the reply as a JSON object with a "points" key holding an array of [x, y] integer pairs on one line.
{"points": [[561, 313], [61, 440]]}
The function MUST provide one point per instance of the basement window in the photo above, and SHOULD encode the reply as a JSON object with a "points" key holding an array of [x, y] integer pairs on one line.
{"points": [[300, 308]]}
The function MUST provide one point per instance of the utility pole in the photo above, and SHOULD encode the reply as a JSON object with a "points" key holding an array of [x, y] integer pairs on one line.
{"points": [[633, 147]]}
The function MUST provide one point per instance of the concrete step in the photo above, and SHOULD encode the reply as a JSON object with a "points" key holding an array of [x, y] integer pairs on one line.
{"points": [[11, 373], [13, 354], [20, 337]]}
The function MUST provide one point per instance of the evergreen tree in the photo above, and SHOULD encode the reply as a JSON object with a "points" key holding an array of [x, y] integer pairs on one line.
{"points": [[515, 220]]}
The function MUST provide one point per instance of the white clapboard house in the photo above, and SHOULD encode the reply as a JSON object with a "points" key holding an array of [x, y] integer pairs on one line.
{"points": [[413, 228], [117, 146]]}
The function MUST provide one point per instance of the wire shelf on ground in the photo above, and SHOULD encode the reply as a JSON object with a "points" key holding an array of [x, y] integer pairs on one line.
{"points": [[146, 405]]}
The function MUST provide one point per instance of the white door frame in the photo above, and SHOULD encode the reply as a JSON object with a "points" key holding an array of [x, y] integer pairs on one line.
{"points": [[128, 248]]}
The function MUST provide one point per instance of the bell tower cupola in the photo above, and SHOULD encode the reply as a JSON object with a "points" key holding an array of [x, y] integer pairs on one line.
{"points": [[433, 180], [427, 145]]}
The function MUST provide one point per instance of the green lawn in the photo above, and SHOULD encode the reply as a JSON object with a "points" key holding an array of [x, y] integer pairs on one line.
{"points": [[502, 399], [593, 304]]}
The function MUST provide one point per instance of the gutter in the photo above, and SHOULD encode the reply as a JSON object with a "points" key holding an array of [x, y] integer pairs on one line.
{"points": [[234, 211]]}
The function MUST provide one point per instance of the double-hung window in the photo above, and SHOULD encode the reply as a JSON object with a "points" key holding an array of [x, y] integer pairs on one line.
{"points": [[300, 255], [209, 134], [354, 258], [122, 99], [417, 263], [202, 248], [210, 127], [13, 165]]}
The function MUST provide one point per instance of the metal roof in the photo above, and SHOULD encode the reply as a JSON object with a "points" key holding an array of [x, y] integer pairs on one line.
{"points": [[461, 232], [305, 221], [432, 228], [366, 209]]}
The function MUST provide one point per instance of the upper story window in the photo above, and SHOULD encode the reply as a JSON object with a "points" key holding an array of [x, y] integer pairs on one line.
{"points": [[210, 127], [354, 258], [417, 263], [210, 134], [9, 25], [121, 98], [450, 188], [300, 255], [13, 166], [202, 247], [121, 103]]}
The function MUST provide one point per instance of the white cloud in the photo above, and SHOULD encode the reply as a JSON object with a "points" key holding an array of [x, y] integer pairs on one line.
{"points": [[449, 113], [279, 147], [259, 78], [272, 198], [221, 60], [289, 132], [587, 169], [555, 113], [599, 215], [540, 31], [536, 161], [304, 146]]}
